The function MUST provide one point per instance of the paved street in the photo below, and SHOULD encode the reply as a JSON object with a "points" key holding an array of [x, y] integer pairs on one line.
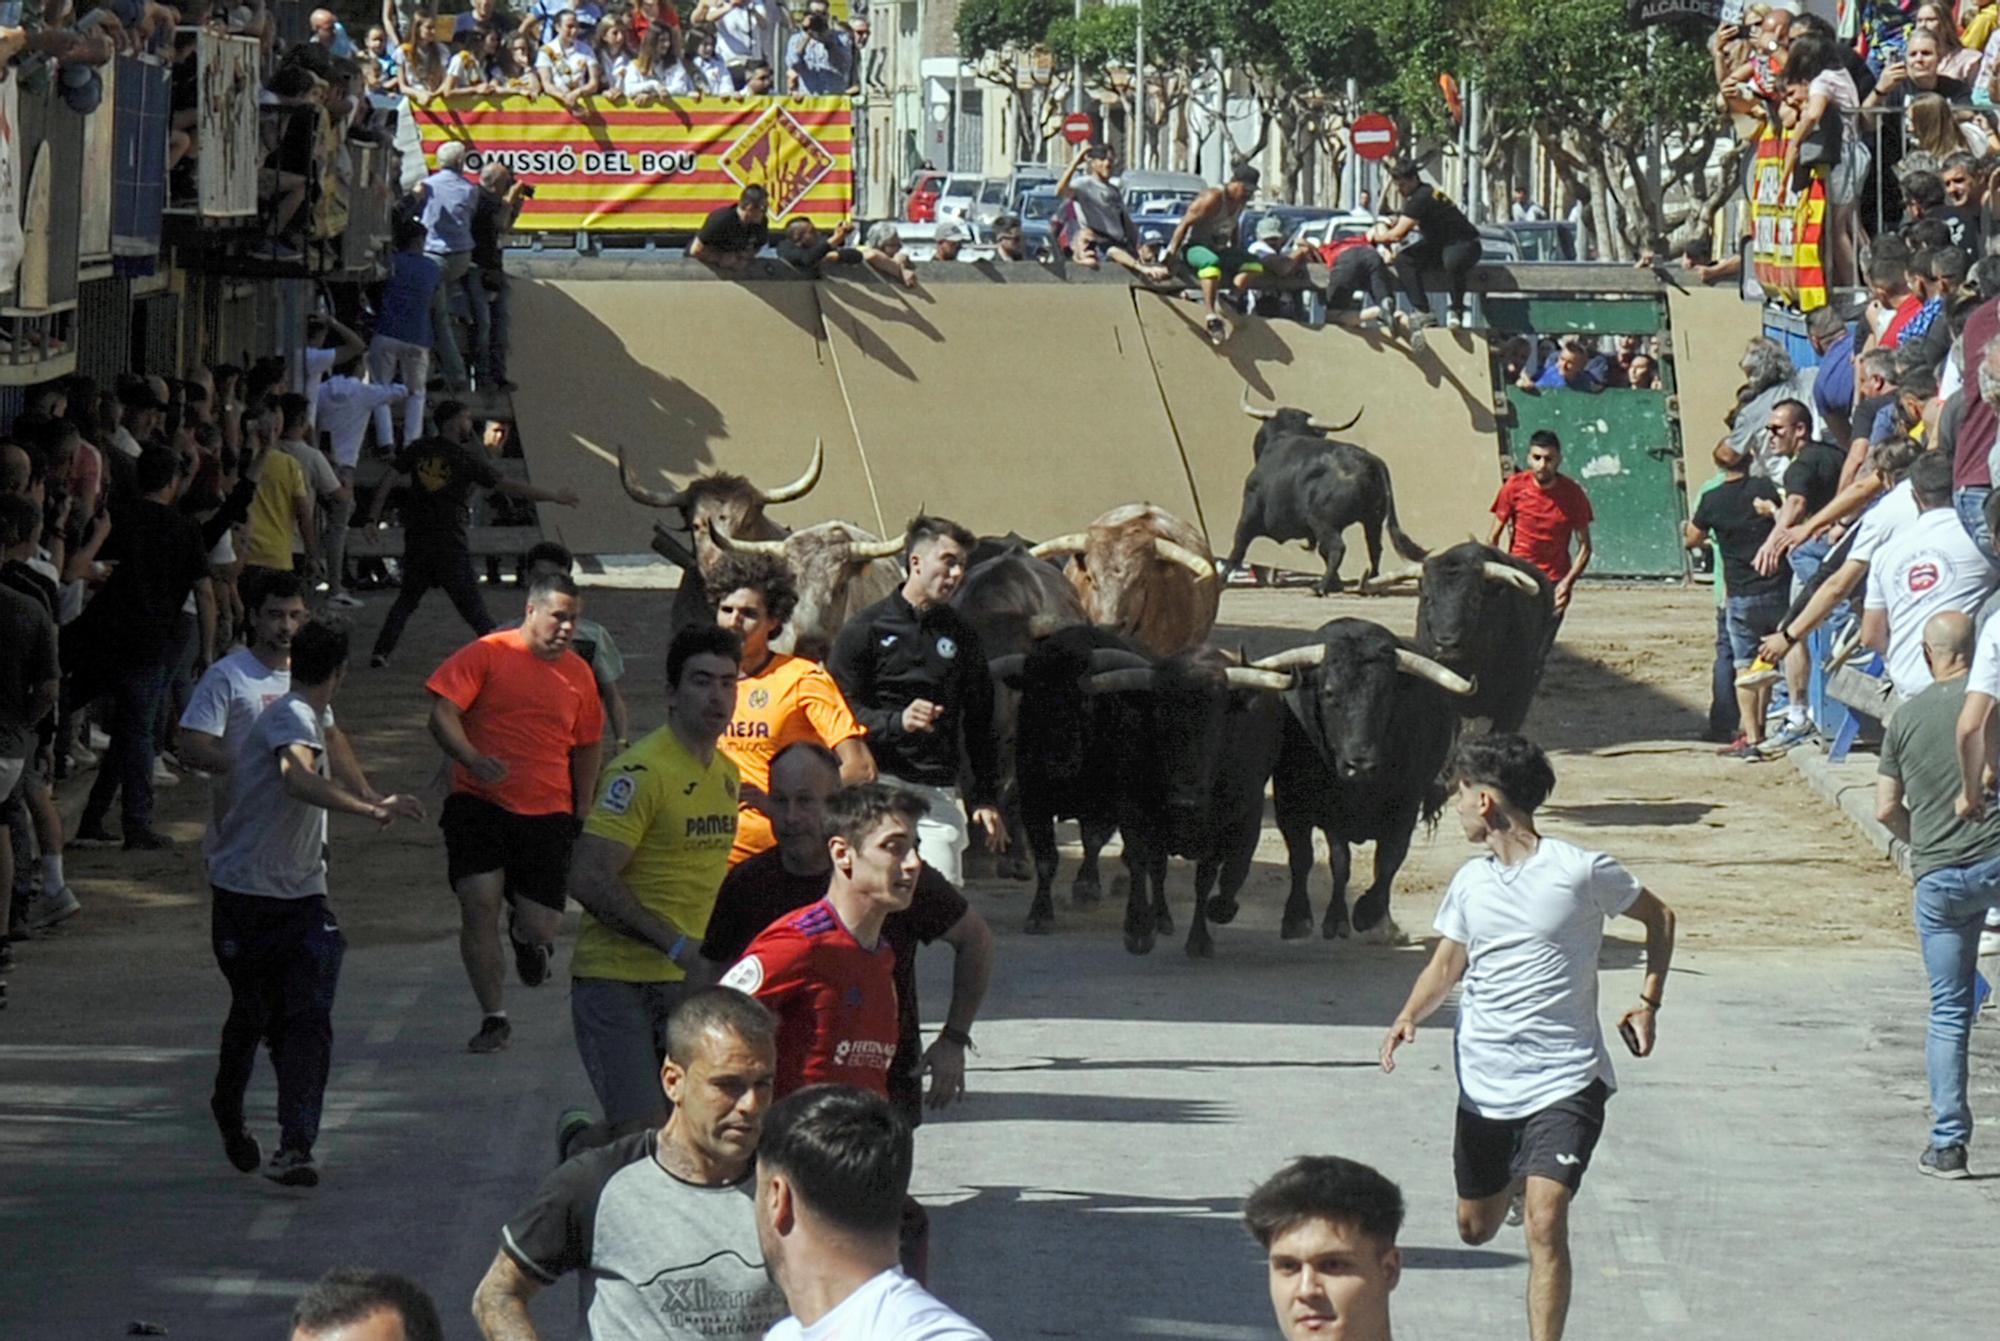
{"points": [[1751, 1178]]}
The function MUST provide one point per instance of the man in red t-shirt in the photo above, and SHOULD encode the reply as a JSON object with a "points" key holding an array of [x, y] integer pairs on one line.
{"points": [[1545, 510], [518, 713], [825, 971]]}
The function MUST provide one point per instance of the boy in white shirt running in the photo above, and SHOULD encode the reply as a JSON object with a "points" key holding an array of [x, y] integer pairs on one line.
{"points": [[1523, 926]]}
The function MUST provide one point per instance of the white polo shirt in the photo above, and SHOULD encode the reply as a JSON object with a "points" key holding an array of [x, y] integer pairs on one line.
{"points": [[1926, 567]]}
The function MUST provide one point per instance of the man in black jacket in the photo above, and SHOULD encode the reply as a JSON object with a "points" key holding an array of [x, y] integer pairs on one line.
{"points": [[915, 676]]}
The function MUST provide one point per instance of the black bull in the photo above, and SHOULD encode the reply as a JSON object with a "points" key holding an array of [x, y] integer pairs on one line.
{"points": [[1173, 754], [1488, 616], [1308, 486]]}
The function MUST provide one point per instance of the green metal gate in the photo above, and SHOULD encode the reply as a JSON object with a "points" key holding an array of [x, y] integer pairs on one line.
{"points": [[1623, 447]]}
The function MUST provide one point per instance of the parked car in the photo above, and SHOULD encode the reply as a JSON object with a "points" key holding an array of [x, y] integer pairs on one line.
{"points": [[1157, 218], [1496, 244], [1143, 189], [1294, 217], [991, 202], [956, 198], [1324, 233], [1027, 177], [1044, 217], [1545, 240], [920, 242], [920, 206]]}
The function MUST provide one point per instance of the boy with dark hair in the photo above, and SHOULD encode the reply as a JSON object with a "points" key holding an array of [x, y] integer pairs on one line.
{"points": [[833, 1172], [274, 936], [346, 1296], [1523, 926], [1328, 1228]]}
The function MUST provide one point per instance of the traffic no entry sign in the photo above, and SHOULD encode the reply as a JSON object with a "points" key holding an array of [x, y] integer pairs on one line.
{"points": [[1078, 127], [1373, 136]]}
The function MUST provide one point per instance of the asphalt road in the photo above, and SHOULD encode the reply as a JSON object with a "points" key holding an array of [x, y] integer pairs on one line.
{"points": [[1757, 1177]]}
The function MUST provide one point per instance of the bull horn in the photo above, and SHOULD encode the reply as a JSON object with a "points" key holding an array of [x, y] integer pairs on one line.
{"points": [[1076, 542], [1119, 681], [639, 493], [1114, 658], [1002, 667], [867, 551], [1248, 677], [1512, 576], [801, 486], [1414, 663], [774, 548], [1202, 568], [1253, 411], [1319, 427], [1292, 658]]}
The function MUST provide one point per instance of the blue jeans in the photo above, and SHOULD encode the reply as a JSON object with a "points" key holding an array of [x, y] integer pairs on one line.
{"points": [[1724, 717], [1951, 907], [1806, 561], [1970, 503]]}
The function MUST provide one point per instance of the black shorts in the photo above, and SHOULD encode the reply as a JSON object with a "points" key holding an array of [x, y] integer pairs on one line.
{"points": [[1488, 1154], [533, 850]]}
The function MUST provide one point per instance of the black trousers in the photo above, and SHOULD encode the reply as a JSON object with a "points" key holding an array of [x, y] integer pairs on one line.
{"points": [[1358, 268], [282, 960], [427, 568], [1456, 259]]}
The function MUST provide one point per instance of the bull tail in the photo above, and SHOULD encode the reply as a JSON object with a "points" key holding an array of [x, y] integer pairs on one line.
{"points": [[1405, 546]]}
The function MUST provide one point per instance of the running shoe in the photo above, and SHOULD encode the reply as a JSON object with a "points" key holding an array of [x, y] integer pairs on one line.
{"points": [[1218, 330], [494, 1033], [1456, 321], [1734, 746], [47, 908], [531, 961], [237, 1142], [1517, 1208], [82, 756], [377, 662], [1759, 672], [292, 1168], [164, 776], [1369, 316], [571, 1124], [1787, 739], [1748, 753], [1418, 325], [148, 840], [1948, 1163], [345, 601], [92, 833]]}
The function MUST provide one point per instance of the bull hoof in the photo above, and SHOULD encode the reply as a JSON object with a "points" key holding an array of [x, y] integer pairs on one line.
{"points": [[1385, 932], [1200, 947], [1222, 911], [1294, 927], [1139, 942], [1085, 891], [1163, 921], [1013, 868], [1040, 923], [1334, 928]]}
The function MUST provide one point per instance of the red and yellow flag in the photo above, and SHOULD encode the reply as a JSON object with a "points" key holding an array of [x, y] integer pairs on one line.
{"points": [[1787, 226], [654, 169]]}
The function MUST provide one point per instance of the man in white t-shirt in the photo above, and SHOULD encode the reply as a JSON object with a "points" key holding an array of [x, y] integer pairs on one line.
{"points": [[832, 1172], [345, 406], [1523, 926], [1928, 566], [742, 34], [318, 360]]}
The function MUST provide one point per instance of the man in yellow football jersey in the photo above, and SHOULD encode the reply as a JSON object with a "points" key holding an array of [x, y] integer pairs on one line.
{"points": [[653, 852], [780, 699]]}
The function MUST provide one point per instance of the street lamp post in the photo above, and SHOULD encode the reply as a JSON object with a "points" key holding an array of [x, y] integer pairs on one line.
{"points": [[1139, 96]]}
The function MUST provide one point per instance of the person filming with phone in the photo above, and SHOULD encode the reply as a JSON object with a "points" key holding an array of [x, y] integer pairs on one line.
{"points": [[1523, 926]]}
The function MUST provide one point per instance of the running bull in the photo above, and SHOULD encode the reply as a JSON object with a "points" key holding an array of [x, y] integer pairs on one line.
{"points": [[1370, 724], [1173, 753], [1489, 616], [1144, 572], [1307, 485]]}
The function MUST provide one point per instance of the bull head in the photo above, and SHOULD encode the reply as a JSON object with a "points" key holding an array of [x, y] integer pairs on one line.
{"points": [[683, 497], [1408, 662], [1077, 542], [1312, 422], [858, 551]]}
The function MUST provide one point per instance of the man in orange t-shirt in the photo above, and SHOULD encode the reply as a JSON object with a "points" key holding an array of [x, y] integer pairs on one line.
{"points": [[519, 715], [780, 699]]}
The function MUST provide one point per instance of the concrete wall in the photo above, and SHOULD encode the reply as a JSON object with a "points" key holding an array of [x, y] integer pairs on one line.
{"points": [[1012, 399]]}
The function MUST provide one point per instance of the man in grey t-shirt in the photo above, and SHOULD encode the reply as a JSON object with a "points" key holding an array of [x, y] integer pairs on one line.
{"points": [[1955, 855], [275, 939], [1107, 229]]}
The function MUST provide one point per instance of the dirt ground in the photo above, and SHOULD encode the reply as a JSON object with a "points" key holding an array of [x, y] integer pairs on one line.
{"points": [[1745, 853]]}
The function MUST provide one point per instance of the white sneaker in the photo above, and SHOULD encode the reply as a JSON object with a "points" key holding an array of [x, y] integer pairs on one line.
{"points": [[82, 756], [345, 600], [164, 776], [46, 909], [1453, 321], [97, 740], [1369, 316], [1989, 942]]}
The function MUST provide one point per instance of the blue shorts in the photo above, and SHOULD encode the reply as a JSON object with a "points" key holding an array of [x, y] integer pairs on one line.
{"points": [[1751, 619]]}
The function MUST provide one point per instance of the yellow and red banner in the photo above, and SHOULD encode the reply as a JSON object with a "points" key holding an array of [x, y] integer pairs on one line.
{"points": [[664, 168], [1786, 229]]}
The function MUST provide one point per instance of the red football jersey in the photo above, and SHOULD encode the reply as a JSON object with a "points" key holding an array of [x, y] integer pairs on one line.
{"points": [[835, 1000]]}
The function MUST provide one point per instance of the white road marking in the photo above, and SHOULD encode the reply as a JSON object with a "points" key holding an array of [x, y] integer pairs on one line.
{"points": [[232, 1290], [345, 1083], [272, 1222]]}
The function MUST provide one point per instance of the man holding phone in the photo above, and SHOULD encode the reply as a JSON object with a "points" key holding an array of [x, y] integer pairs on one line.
{"points": [[1523, 926]]}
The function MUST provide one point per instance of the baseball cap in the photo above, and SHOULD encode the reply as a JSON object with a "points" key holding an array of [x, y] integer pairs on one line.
{"points": [[1248, 175], [1270, 226], [951, 232]]}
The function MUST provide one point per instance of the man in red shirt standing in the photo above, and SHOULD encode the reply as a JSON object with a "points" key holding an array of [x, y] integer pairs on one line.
{"points": [[1545, 509]]}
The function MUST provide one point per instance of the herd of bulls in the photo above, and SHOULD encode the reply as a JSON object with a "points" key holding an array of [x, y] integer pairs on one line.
{"points": [[1115, 711]]}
